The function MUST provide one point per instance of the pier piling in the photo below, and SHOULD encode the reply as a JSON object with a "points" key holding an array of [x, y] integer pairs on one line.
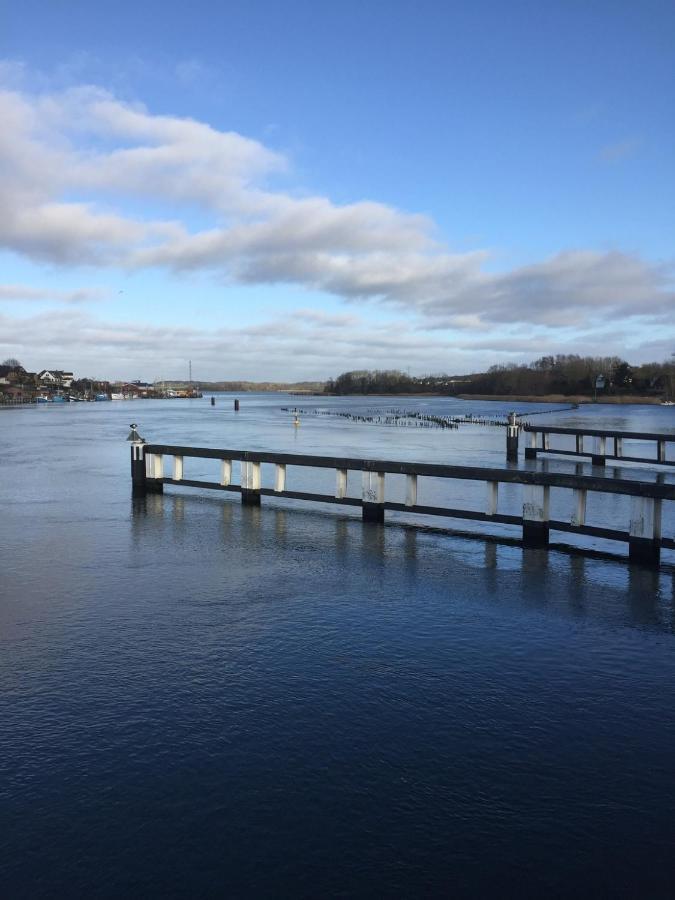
{"points": [[512, 430], [138, 476]]}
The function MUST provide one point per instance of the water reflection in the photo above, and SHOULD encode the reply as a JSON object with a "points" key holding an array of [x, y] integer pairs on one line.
{"points": [[578, 584]]}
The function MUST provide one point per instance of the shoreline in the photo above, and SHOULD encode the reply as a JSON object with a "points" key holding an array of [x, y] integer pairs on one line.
{"points": [[617, 399]]}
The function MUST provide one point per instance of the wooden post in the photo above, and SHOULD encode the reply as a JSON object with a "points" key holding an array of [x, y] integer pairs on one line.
{"points": [[372, 496], [618, 447], [178, 468], [579, 443], [660, 451], [492, 498], [535, 515], [644, 540], [340, 484], [280, 479], [598, 458], [250, 483], [579, 508], [226, 472], [411, 490], [512, 430], [545, 441], [531, 451], [236, 406]]}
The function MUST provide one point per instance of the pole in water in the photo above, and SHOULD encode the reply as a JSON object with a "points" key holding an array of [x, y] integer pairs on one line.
{"points": [[138, 483], [213, 401], [236, 406], [512, 430]]}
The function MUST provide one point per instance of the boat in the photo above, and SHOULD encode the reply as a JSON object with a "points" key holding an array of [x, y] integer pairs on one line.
{"points": [[101, 397], [59, 399], [117, 396], [668, 403]]}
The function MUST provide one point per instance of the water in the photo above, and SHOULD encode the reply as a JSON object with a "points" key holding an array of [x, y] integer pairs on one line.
{"points": [[199, 699]]}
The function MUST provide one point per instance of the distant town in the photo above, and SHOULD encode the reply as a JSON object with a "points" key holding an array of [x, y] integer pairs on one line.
{"points": [[18, 386]]}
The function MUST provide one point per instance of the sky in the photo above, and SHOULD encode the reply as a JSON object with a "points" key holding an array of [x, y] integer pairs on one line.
{"points": [[286, 191]]}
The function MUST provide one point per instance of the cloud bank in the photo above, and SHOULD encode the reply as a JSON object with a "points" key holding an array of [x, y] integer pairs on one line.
{"points": [[78, 165]]}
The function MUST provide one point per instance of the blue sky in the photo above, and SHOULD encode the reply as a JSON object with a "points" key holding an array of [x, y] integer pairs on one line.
{"points": [[289, 190]]}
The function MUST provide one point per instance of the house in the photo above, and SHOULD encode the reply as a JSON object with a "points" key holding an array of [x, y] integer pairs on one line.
{"points": [[55, 378]]}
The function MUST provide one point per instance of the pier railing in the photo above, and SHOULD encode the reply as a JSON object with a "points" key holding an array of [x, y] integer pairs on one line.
{"points": [[642, 531], [540, 442]]}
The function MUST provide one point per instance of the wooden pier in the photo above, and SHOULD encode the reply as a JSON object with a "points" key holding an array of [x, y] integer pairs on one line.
{"points": [[540, 443], [642, 531]]}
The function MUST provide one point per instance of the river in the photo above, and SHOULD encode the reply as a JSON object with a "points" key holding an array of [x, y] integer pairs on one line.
{"points": [[202, 700]]}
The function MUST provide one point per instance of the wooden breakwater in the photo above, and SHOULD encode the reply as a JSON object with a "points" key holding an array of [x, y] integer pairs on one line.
{"points": [[642, 530]]}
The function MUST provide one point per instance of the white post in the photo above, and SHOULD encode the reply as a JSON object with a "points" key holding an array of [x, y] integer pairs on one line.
{"points": [[661, 451], [250, 476], [158, 465], [280, 478], [618, 447], [579, 440], [546, 440], [411, 490], [492, 497], [340, 484], [533, 439], [600, 446], [178, 468], [643, 518], [372, 487], [579, 508], [225, 472], [149, 465]]}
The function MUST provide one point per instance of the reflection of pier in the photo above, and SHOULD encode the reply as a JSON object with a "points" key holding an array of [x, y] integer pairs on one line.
{"points": [[643, 531], [600, 438]]}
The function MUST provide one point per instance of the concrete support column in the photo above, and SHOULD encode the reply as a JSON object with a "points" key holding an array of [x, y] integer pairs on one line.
{"points": [[250, 483], [531, 451], [579, 508], [340, 484], [372, 495], [512, 431], [600, 451], [178, 468], [492, 498], [411, 490], [536, 503], [154, 472], [279, 478], [644, 541], [138, 477], [226, 472]]}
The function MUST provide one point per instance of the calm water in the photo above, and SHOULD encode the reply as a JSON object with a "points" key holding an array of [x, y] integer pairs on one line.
{"points": [[202, 700]]}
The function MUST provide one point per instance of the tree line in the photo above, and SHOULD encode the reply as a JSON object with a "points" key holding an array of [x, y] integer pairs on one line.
{"points": [[567, 374]]}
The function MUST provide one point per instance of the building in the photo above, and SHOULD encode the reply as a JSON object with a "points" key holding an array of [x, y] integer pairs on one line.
{"points": [[55, 378]]}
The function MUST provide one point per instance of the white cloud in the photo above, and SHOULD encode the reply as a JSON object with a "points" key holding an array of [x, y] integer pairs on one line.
{"points": [[25, 292], [90, 180]]}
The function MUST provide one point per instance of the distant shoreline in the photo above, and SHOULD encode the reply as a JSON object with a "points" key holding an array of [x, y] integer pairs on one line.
{"points": [[617, 399]]}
